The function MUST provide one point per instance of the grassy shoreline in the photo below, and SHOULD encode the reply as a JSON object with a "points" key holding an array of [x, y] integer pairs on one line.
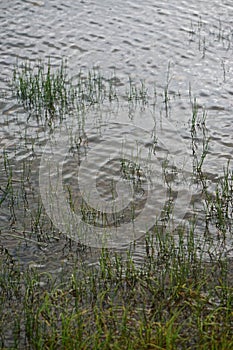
{"points": [[175, 299]]}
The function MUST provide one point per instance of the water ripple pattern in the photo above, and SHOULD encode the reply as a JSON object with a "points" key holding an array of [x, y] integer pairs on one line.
{"points": [[133, 38], [139, 170]]}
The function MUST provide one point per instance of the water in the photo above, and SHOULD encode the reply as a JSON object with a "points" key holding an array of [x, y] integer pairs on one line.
{"points": [[192, 40]]}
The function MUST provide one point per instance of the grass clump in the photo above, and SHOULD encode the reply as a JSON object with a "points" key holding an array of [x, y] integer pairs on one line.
{"points": [[220, 204], [43, 90], [47, 91]]}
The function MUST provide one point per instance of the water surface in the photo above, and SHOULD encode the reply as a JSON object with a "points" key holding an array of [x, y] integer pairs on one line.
{"points": [[192, 40]]}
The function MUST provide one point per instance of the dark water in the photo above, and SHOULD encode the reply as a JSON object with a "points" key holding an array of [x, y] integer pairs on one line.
{"points": [[142, 39]]}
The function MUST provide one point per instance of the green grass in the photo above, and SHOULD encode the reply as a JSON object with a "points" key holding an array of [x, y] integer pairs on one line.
{"points": [[178, 297], [49, 93], [40, 89], [172, 301]]}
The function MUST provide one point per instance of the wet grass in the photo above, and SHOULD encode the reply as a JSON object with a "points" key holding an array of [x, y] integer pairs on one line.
{"points": [[219, 206], [180, 295], [48, 92], [43, 90], [172, 301]]}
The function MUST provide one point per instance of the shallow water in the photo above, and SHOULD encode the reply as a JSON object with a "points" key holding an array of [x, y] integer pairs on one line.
{"points": [[194, 39]]}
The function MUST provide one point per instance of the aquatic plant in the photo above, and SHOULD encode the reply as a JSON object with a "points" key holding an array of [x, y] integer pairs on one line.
{"points": [[48, 91], [42, 89], [177, 288]]}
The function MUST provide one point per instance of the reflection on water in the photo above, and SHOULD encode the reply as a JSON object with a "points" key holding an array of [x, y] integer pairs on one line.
{"points": [[181, 51]]}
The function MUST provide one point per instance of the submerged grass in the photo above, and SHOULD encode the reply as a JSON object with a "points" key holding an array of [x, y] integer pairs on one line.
{"points": [[220, 205], [174, 299], [40, 89], [44, 90]]}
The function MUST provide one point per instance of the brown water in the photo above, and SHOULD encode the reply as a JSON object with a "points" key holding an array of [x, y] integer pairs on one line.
{"points": [[194, 39]]}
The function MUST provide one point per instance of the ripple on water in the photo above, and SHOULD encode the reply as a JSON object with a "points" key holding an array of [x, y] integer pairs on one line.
{"points": [[134, 38]]}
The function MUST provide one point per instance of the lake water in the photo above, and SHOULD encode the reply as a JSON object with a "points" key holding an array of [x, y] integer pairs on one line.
{"points": [[185, 46]]}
